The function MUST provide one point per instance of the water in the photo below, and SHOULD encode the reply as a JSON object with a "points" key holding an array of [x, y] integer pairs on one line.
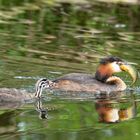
{"points": [[51, 38]]}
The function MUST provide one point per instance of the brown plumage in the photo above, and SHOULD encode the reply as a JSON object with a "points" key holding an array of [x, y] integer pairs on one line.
{"points": [[87, 83], [102, 81]]}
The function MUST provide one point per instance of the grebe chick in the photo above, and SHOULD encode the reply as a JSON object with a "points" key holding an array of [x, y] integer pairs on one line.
{"points": [[102, 81]]}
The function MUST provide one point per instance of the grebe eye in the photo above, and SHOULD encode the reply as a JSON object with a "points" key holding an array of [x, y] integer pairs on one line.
{"points": [[119, 63], [43, 86]]}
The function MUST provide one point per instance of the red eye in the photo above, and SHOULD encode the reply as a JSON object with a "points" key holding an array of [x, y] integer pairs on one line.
{"points": [[119, 63]]}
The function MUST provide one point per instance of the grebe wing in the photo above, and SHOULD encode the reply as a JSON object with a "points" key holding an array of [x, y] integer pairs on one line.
{"points": [[82, 82], [77, 77]]}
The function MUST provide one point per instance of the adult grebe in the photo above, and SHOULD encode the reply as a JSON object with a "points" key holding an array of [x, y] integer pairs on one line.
{"points": [[102, 81]]}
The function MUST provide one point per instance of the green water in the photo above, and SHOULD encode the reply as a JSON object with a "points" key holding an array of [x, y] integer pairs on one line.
{"points": [[49, 38]]}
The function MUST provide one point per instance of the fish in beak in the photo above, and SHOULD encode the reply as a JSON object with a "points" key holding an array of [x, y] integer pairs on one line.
{"points": [[131, 70]]}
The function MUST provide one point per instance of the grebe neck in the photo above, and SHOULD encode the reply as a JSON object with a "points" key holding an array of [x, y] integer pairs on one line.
{"points": [[120, 85], [101, 77], [103, 73]]}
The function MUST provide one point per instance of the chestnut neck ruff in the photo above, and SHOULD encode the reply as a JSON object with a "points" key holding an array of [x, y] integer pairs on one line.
{"points": [[100, 77]]}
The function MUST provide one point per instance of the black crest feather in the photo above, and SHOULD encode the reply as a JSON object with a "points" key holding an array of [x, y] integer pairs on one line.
{"points": [[110, 59]]}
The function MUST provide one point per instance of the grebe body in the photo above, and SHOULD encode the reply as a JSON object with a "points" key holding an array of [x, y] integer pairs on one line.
{"points": [[86, 83], [102, 81]]}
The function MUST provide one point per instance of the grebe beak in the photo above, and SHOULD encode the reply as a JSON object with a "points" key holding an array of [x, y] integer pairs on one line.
{"points": [[131, 70]]}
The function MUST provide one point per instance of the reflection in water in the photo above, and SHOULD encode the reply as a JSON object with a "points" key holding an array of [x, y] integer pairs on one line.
{"points": [[42, 112], [65, 116], [110, 111]]}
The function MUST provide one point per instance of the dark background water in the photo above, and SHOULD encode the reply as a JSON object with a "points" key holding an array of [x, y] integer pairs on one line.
{"points": [[50, 38]]}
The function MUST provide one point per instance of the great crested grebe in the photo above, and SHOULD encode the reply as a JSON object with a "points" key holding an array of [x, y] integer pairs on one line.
{"points": [[102, 81]]}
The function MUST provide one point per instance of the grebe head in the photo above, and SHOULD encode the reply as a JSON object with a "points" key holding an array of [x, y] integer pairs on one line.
{"points": [[40, 85], [110, 65]]}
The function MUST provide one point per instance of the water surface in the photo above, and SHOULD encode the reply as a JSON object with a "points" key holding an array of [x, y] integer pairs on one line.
{"points": [[51, 38]]}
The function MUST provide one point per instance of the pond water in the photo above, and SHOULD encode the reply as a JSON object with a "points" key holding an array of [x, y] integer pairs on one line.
{"points": [[49, 38]]}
